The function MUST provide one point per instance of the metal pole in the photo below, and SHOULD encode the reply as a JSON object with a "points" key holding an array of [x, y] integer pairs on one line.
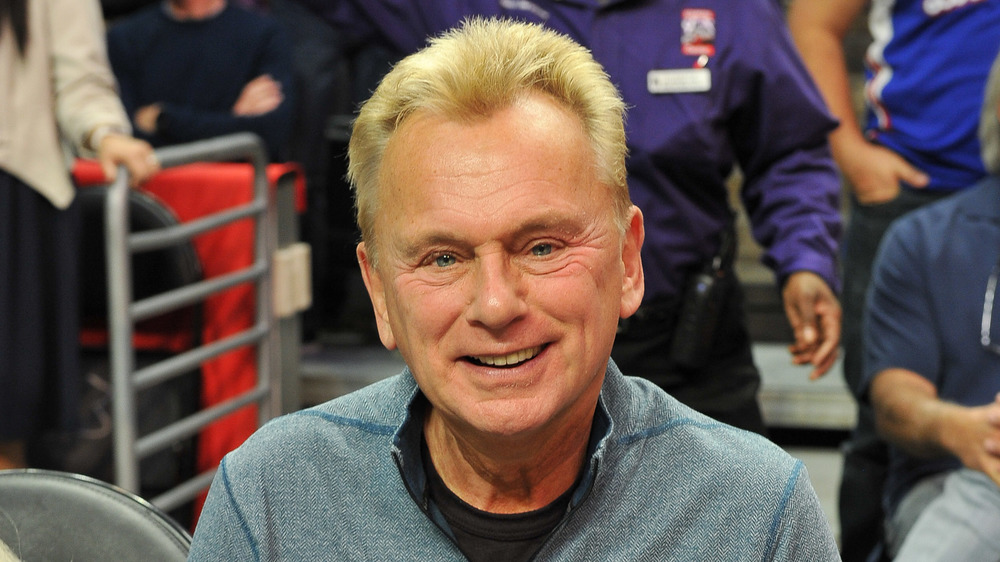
{"points": [[119, 273]]}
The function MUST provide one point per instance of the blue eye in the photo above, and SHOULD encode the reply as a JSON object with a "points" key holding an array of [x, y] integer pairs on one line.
{"points": [[541, 250], [444, 260]]}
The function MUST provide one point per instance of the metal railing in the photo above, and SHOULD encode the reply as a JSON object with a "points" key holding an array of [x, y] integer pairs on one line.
{"points": [[123, 313]]}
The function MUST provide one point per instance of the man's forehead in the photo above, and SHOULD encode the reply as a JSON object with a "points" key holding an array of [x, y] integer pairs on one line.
{"points": [[505, 231], [525, 165]]}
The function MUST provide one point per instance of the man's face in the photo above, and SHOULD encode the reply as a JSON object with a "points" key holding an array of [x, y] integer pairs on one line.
{"points": [[501, 274]]}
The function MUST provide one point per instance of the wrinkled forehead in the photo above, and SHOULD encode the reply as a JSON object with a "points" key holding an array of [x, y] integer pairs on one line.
{"points": [[526, 161]]}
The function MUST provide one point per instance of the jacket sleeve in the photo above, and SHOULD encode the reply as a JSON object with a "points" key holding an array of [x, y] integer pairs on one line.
{"points": [[84, 87], [791, 187], [799, 530], [223, 532]]}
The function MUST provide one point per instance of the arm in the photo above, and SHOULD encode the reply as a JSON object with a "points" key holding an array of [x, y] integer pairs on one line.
{"points": [[136, 155], [264, 106], [88, 109], [260, 96], [801, 531], [907, 341], [401, 24], [818, 28], [84, 86], [791, 190], [909, 414]]}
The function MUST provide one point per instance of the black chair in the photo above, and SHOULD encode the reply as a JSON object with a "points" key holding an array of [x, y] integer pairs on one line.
{"points": [[50, 515], [153, 272]]}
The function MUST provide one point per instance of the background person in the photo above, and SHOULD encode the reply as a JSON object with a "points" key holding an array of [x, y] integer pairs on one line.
{"points": [[58, 96], [932, 356], [196, 69], [711, 88], [917, 144]]}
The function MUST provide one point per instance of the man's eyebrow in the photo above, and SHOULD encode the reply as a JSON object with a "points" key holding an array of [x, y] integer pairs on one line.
{"points": [[562, 224], [414, 247]]}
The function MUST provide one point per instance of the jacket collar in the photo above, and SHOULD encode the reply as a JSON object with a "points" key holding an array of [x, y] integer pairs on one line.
{"points": [[406, 448]]}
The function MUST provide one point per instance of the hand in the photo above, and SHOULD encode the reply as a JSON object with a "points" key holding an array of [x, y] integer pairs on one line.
{"points": [[974, 437], [814, 315], [146, 117], [261, 95], [875, 172], [136, 155]]}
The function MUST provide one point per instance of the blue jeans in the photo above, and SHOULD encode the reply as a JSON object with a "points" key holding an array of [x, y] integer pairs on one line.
{"points": [[961, 521]]}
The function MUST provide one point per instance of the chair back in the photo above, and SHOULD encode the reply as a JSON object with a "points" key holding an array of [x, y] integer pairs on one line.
{"points": [[50, 515], [153, 272]]}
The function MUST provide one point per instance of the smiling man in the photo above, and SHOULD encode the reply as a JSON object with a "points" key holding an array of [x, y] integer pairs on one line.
{"points": [[500, 249]]}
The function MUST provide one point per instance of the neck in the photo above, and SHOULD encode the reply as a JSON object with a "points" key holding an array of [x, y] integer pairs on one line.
{"points": [[195, 9], [506, 474]]}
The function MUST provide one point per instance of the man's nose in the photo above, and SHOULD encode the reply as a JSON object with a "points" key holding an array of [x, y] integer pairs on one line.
{"points": [[499, 292]]}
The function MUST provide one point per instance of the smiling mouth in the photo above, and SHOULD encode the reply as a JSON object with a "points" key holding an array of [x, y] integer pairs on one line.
{"points": [[506, 361]]}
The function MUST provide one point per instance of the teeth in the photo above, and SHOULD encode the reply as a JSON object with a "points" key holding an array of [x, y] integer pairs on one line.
{"points": [[510, 358]]}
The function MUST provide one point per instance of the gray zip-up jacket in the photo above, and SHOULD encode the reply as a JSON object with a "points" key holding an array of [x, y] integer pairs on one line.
{"points": [[344, 481]]}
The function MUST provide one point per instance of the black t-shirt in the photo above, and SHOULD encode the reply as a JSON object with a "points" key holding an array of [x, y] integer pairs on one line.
{"points": [[484, 536]]}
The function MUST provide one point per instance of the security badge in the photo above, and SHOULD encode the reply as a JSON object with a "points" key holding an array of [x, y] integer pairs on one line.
{"points": [[697, 39]]}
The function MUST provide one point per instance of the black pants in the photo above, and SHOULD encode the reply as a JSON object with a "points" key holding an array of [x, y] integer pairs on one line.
{"points": [[39, 328], [725, 388]]}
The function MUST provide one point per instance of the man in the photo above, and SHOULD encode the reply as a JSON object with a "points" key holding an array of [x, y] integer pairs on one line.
{"points": [[195, 69], [932, 358], [500, 249], [924, 88], [712, 85]]}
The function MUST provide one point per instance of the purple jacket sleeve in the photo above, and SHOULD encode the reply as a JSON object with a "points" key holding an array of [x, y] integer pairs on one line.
{"points": [[791, 186]]}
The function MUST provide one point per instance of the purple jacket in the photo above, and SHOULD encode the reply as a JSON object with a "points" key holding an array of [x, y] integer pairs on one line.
{"points": [[711, 84]]}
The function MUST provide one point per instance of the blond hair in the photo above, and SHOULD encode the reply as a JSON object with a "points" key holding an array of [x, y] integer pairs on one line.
{"points": [[6, 554], [474, 70], [989, 126]]}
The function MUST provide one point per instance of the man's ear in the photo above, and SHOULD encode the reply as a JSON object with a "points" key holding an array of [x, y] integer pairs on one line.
{"points": [[376, 292], [633, 283]]}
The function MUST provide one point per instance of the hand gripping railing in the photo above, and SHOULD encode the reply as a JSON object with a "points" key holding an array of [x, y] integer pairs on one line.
{"points": [[123, 313]]}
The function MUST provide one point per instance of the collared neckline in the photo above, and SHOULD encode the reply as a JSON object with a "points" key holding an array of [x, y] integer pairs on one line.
{"points": [[406, 448]]}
